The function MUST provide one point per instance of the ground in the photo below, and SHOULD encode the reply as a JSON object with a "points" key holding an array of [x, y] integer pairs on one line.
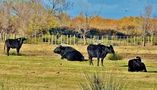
{"points": [[38, 68]]}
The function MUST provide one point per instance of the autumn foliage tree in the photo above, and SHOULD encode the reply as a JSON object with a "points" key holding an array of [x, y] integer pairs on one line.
{"points": [[25, 17]]}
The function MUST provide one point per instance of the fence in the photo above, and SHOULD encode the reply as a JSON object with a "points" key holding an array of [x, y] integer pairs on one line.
{"points": [[74, 40]]}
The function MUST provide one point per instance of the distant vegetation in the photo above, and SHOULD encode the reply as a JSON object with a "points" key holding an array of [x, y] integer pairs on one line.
{"points": [[32, 17]]}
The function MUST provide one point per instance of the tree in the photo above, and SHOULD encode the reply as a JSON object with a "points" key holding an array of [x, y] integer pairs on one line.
{"points": [[153, 29], [25, 17], [5, 16], [146, 25], [58, 6], [83, 24]]}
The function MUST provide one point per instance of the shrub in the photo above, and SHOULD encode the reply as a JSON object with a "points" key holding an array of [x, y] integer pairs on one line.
{"points": [[115, 56], [105, 82]]}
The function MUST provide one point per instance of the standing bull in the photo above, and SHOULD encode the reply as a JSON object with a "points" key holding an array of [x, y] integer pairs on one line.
{"points": [[14, 44], [69, 53], [98, 51], [135, 65]]}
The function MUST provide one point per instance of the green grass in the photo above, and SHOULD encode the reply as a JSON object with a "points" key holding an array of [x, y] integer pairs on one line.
{"points": [[38, 68]]}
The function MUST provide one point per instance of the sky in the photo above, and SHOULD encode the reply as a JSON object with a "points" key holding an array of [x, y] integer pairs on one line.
{"points": [[113, 9]]}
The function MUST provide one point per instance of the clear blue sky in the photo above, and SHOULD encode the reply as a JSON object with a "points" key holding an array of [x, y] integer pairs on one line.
{"points": [[112, 8]]}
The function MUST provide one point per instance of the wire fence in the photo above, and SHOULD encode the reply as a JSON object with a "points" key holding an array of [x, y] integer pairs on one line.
{"points": [[74, 40]]}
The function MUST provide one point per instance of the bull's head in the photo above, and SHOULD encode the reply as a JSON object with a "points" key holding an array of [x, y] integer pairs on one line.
{"points": [[138, 58], [111, 49], [58, 49], [21, 39]]}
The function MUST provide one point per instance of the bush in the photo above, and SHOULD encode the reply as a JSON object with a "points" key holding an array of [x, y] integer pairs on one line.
{"points": [[115, 56], [105, 82]]}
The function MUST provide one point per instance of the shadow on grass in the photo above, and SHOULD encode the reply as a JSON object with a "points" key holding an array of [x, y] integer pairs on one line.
{"points": [[22, 54], [146, 72], [85, 60], [76, 60], [127, 66], [15, 54], [152, 71], [124, 66]]}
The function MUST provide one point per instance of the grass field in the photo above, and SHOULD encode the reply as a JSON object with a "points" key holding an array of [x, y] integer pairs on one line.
{"points": [[38, 68]]}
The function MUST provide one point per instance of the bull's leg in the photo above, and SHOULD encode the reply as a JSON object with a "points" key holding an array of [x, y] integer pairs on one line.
{"points": [[17, 49], [98, 62], [62, 57], [128, 69], [90, 61], [145, 70], [102, 61], [8, 48]]}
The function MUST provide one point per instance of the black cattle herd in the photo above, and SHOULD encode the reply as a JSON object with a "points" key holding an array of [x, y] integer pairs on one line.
{"points": [[98, 51]]}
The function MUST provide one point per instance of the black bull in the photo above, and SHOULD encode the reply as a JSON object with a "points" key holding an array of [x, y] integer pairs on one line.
{"points": [[14, 44], [99, 51], [135, 65], [69, 53]]}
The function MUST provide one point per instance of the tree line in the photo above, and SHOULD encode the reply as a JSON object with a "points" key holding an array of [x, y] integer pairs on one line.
{"points": [[28, 17]]}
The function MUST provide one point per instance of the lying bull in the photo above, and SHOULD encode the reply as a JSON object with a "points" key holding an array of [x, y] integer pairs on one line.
{"points": [[14, 44], [69, 53], [98, 51], [135, 65]]}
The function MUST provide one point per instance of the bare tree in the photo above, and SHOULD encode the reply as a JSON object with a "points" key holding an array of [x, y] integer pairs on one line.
{"points": [[153, 28], [58, 9], [85, 27], [82, 25], [58, 6], [87, 14], [146, 25]]}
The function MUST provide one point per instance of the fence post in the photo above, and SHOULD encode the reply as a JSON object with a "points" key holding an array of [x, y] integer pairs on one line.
{"points": [[74, 39], [61, 39], [49, 39], [55, 39], [127, 41], [148, 39], [52, 39], [67, 40], [15, 36], [134, 40], [35, 37], [102, 39], [93, 39], [152, 40], [70, 39], [3, 36], [0, 36], [54, 36]]}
